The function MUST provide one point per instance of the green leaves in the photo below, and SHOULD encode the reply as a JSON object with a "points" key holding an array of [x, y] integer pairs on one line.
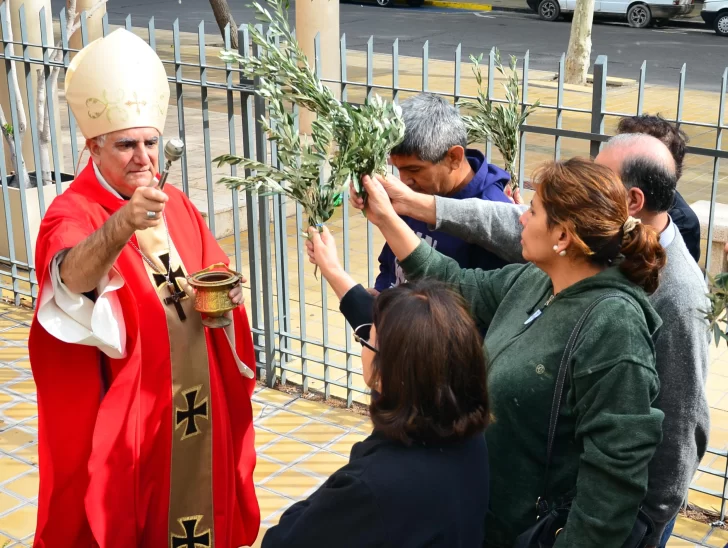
{"points": [[718, 297], [354, 140], [498, 123]]}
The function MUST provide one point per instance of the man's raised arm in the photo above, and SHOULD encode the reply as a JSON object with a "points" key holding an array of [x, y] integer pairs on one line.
{"points": [[494, 226]]}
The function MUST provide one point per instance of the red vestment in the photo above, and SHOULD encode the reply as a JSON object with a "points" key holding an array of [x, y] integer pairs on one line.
{"points": [[106, 426]]}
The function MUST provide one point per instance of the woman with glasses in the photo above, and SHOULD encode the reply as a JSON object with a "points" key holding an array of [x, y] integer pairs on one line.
{"points": [[418, 479], [589, 263]]}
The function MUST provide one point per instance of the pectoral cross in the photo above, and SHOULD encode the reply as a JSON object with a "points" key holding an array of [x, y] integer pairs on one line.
{"points": [[174, 298]]}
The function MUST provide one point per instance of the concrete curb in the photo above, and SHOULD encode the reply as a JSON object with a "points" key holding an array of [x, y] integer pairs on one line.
{"points": [[470, 6], [467, 6]]}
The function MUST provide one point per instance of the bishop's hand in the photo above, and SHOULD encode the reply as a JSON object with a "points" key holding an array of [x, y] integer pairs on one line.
{"points": [[144, 209]]}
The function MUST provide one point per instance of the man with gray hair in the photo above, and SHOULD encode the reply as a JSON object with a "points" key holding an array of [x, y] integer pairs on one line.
{"points": [[434, 159], [647, 169]]}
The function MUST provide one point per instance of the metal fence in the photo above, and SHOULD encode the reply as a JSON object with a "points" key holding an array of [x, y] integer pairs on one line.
{"points": [[215, 104]]}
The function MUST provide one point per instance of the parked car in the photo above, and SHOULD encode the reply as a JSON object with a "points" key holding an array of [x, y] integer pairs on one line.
{"points": [[639, 13], [715, 15]]}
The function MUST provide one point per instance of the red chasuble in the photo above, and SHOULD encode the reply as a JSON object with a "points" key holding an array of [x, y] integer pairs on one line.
{"points": [[154, 449]]}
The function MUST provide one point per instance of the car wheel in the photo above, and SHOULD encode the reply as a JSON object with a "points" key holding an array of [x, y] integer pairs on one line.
{"points": [[639, 16], [385, 3], [721, 24], [549, 10]]}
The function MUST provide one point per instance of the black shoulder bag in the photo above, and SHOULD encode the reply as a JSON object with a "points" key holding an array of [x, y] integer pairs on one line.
{"points": [[550, 522]]}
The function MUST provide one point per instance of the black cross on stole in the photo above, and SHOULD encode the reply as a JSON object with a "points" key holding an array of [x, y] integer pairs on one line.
{"points": [[191, 539], [187, 418]]}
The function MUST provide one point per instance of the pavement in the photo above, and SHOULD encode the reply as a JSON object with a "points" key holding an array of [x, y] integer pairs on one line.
{"points": [[298, 452], [664, 49]]}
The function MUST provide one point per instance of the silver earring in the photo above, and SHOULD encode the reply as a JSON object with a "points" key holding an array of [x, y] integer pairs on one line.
{"points": [[556, 249], [562, 253]]}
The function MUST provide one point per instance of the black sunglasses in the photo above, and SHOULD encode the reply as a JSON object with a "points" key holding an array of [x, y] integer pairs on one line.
{"points": [[362, 334]]}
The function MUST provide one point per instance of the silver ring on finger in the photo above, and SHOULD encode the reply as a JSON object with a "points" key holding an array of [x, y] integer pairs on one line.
{"points": [[151, 214]]}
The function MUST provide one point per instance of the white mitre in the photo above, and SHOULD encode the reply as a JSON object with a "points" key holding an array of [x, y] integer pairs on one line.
{"points": [[117, 82]]}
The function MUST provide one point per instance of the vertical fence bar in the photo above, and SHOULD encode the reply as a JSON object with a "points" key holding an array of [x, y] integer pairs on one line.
{"points": [[300, 253], [344, 77], [370, 232], [599, 99], [205, 105], [7, 50], [456, 76], [681, 95], [14, 100], [230, 96], [179, 93], [281, 251], [491, 79], [370, 67], [324, 290], [105, 24], [725, 486], [84, 28], [51, 80], [641, 89], [716, 169], [395, 71], [265, 244], [248, 118], [559, 107], [522, 139], [32, 116], [153, 44], [347, 328], [71, 117], [425, 65], [127, 23]]}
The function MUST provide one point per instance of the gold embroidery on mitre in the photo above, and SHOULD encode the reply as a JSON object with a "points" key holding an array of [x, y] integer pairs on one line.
{"points": [[191, 538], [187, 418]]}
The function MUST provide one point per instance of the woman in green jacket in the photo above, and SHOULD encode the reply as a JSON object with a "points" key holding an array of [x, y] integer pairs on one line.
{"points": [[581, 245]]}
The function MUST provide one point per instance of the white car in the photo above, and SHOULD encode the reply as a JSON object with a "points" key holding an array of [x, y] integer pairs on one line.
{"points": [[715, 15], [639, 13]]}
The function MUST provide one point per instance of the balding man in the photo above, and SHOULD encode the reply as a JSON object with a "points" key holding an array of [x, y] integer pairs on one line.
{"points": [[647, 169]]}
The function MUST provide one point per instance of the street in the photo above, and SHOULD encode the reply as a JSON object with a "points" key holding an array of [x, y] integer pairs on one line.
{"points": [[664, 49]]}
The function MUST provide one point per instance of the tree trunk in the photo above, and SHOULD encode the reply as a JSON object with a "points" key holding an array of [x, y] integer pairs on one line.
{"points": [[223, 16], [579, 52]]}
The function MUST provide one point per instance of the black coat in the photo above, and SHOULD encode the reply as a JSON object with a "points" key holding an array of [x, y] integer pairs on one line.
{"points": [[687, 223], [391, 495]]}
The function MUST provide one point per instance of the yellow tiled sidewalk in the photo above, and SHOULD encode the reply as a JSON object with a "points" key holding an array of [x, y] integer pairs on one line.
{"points": [[299, 443]]}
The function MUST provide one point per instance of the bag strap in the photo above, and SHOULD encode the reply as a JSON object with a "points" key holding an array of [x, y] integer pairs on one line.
{"points": [[542, 503]]}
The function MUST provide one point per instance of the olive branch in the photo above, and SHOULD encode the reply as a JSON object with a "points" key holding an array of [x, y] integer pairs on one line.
{"points": [[498, 123], [354, 139]]}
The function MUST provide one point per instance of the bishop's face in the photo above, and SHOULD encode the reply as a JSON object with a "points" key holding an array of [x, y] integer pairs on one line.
{"points": [[127, 159]]}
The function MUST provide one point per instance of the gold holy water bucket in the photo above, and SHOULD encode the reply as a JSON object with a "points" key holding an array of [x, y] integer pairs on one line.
{"points": [[213, 285]]}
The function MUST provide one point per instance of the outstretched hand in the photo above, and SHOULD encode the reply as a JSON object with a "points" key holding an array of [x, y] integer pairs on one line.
{"points": [[321, 250], [378, 207]]}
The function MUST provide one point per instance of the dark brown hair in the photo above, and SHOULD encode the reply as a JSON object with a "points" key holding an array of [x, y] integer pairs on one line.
{"points": [[430, 365], [590, 202], [673, 137]]}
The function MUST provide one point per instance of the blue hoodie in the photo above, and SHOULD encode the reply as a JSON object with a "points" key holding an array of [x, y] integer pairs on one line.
{"points": [[487, 184]]}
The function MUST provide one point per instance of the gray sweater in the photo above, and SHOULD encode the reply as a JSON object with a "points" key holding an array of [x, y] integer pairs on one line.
{"points": [[681, 347]]}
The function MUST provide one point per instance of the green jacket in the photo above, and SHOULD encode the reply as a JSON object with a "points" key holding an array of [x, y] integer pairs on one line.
{"points": [[607, 430]]}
